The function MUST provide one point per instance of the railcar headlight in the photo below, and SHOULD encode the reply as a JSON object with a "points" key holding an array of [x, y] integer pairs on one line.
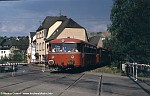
{"points": [[51, 62], [53, 57], [72, 56]]}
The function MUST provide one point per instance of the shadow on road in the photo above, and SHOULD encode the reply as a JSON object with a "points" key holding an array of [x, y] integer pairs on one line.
{"points": [[145, 81], [140, 85]]}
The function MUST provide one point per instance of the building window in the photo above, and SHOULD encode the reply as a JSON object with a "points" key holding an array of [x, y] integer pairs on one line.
{"points": [[43, 46], [40, 46], [40, 35], [47, 46], [37, 47]]}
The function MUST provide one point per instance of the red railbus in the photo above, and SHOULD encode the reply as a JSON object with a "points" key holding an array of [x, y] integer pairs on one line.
{"points": [[70, 53], [103, 56]]}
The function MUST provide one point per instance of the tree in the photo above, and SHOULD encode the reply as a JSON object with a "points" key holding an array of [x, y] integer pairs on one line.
{"points": [[17, 56], [130, 30], [22, 44]]}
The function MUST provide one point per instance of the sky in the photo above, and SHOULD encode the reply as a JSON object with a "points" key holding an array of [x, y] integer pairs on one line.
{"points": [[20, 17]]}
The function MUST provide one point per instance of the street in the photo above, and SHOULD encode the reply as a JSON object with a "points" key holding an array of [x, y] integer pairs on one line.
{"points": [[31, 80]]}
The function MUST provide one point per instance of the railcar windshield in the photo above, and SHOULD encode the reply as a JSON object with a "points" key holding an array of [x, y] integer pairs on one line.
{"points": [[66, 47], [56, 47]]}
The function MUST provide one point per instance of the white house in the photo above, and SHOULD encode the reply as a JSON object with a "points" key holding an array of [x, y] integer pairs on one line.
{"points": [[4, 52], [31, 48]]}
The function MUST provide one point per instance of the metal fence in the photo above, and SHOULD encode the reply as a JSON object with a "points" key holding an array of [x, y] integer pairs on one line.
{"points": [[137, 71]]}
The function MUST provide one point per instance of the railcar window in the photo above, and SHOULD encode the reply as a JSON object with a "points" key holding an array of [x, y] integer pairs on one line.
{"points": [[66, 47], [89, 49], [56, 47], [69, 47]]}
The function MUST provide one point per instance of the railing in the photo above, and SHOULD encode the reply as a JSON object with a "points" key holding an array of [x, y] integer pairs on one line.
{"points": [[10, 67], [11, 64], [137, 71]]}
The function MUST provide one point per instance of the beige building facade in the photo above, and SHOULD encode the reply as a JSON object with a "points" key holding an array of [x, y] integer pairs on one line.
{"points": [[40, 45], [78, 33]]}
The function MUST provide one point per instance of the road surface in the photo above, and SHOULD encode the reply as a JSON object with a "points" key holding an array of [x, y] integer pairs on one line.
{"points": [[32, 81]]}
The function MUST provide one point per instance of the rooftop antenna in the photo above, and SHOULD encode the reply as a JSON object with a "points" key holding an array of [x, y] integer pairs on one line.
{"points": [[60, 13]]}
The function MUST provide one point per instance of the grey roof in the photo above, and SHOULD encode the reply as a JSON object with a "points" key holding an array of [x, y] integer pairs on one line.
{"points": [[19, 43], [32, 34], [50, 20], [10, 42], [72, 24], [94, 40], [5, 48], [2, 41], [66, 23]]}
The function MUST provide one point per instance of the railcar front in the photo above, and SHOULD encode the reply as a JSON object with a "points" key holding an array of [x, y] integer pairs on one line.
{"points": [[65, 53]]}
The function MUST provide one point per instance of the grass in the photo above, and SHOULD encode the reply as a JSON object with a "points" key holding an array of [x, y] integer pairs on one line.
{"points": [[106, 69], [114, 70]]}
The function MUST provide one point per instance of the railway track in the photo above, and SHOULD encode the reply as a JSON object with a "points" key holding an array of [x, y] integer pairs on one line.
{"points": [[14, 74], [66, 84], [45, 81], [47, 78], [76, 81], [43, 78], [99, 91], [36, 78]]}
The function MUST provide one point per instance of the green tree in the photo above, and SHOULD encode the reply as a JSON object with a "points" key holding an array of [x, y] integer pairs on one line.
{"points": [[130, 30], [17, 56], [22, 44]]}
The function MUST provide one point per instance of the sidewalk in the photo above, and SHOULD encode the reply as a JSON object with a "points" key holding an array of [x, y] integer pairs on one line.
{"points": [[143, 84]]}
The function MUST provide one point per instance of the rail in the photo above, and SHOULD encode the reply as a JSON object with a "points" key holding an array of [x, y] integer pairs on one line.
{"points": [[100, 86]]}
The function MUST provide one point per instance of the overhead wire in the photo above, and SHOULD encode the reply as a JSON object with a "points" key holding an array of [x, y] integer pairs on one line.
{"points": [[40, 18]]}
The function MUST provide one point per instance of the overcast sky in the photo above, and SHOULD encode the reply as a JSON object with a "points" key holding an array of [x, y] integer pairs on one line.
{"points": [[18, 18]]}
